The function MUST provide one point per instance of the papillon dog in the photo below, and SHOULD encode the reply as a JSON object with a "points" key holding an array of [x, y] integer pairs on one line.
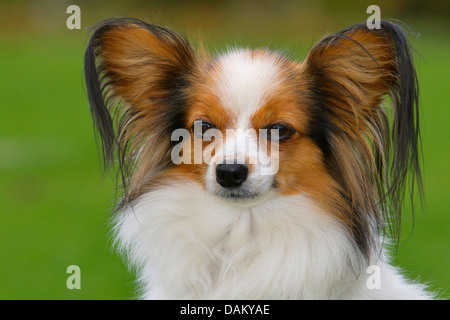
{"points": [[203, 217]]}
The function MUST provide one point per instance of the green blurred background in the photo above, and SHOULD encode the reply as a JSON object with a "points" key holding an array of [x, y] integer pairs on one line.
{"points": [[54, 206]]}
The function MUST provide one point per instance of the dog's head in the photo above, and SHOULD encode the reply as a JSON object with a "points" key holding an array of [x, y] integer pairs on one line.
{"points": [[251, 124]]}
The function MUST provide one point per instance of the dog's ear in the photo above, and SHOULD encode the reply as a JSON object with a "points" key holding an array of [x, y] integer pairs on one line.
{"points": [[349, 74], [137, 76], [354, 69]]}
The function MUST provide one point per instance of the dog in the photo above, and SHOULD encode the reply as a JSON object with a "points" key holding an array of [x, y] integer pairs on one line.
{"points": [[208, 212]]}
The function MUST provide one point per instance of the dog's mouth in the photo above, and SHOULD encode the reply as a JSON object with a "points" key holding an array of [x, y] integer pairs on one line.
{"points": [[245, 198], [237, 194]]}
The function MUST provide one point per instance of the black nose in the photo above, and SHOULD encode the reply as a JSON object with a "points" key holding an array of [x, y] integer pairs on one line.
{"points": [[231, 175]]}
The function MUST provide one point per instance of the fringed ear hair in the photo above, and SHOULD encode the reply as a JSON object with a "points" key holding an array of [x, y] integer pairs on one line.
{"points": [[350, 73], [137, 77]]}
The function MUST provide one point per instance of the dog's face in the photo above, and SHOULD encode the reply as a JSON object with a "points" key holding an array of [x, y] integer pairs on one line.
{"points": [[254, 104]]}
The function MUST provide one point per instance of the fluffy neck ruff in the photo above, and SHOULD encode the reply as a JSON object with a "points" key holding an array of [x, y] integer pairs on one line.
{"points": [[188, 244]]}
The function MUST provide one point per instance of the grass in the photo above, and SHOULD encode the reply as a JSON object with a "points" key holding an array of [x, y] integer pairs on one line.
{"points": [[54, 208]]}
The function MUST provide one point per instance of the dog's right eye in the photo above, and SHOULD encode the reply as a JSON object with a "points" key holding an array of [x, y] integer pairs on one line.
{"points": [[284, 131], [200, 127]]}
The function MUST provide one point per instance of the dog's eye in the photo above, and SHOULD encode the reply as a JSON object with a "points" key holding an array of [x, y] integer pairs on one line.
{"points": [[284, 131], [200, 127]]}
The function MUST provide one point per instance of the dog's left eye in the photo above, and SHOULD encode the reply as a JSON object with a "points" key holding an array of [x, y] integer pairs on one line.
{"points": [[284, 131], [200, 127]]}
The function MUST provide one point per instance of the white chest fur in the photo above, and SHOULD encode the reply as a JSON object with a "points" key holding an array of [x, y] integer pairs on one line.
{"points": [[187, 244]]}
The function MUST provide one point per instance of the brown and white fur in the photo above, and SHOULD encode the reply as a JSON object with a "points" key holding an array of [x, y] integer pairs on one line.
{"points": [[309, 231]]}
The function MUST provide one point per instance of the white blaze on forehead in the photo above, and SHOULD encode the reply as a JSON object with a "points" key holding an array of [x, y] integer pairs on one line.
{"points": [[245, 80]]}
